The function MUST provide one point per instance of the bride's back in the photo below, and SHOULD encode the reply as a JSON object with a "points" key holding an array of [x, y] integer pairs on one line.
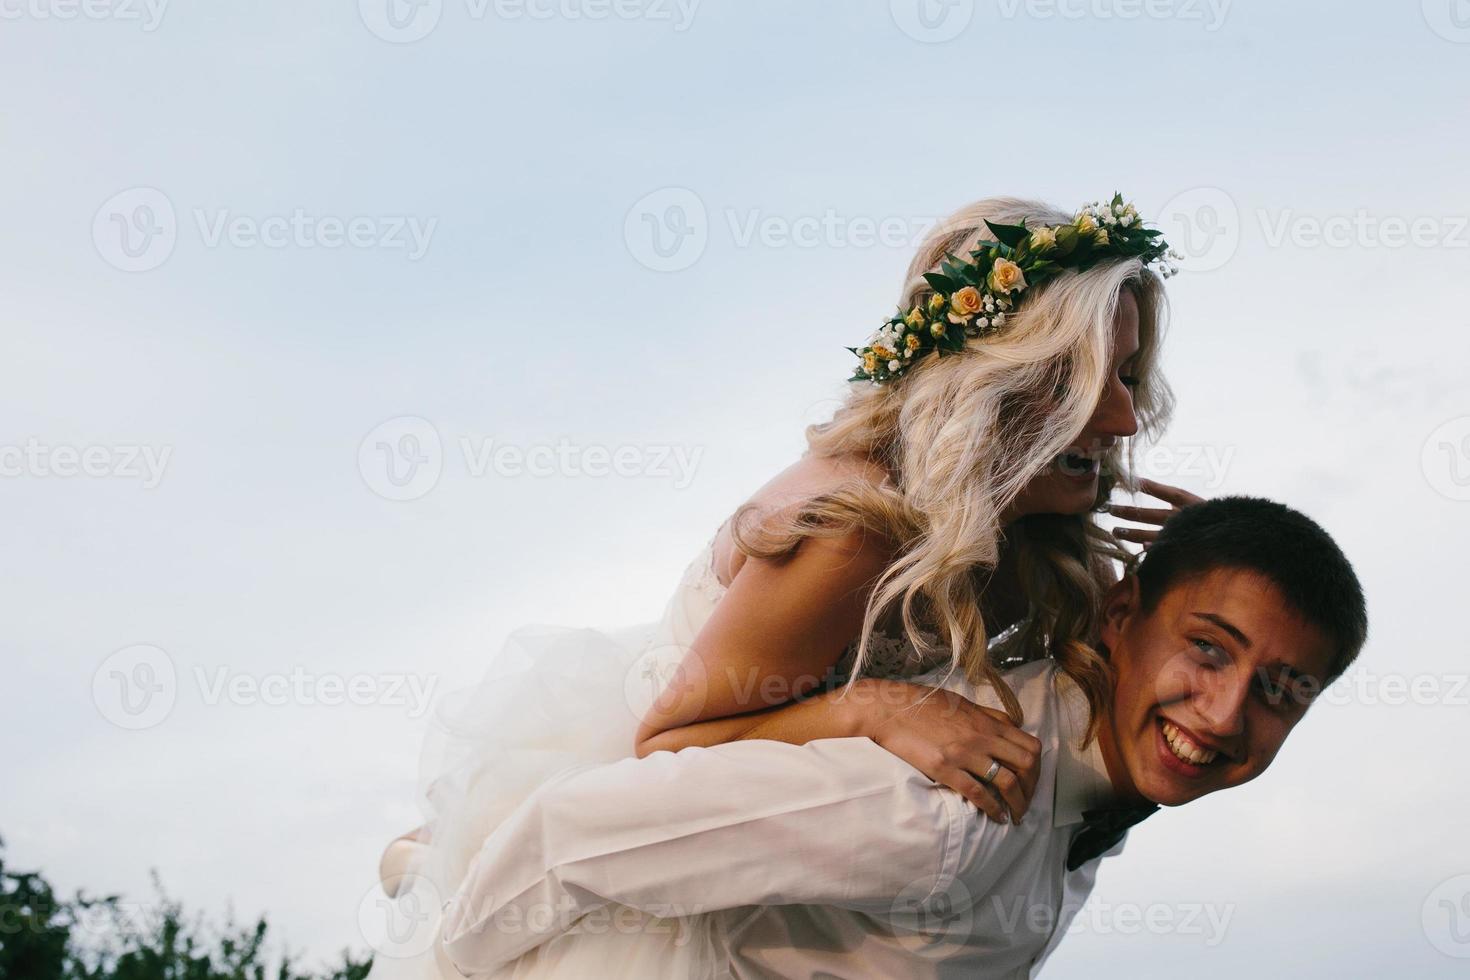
{"points": [[808, 476]]}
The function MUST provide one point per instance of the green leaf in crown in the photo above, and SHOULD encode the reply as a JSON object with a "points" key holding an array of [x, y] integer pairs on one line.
{"points": [[973, 298]]}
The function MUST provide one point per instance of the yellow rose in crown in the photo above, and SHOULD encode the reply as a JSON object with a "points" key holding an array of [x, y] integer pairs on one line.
{"points": [[1043, 239], [966, 302], [1005, 276], [1087, 224]]}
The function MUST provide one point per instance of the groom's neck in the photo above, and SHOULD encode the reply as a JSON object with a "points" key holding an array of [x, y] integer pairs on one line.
{"points": [[1123, 786]]}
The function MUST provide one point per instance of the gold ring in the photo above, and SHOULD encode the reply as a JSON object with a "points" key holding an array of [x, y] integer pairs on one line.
{"points": [[990, 773]]}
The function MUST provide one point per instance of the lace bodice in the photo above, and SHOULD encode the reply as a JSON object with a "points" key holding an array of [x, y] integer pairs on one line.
{"points": [[888, 656]]}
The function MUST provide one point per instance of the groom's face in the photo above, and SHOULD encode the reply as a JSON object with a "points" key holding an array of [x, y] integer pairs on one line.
{"points": [[1210, 682]]}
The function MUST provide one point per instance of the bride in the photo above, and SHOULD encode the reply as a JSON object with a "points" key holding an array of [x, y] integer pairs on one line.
{"points": [[945, 514]]}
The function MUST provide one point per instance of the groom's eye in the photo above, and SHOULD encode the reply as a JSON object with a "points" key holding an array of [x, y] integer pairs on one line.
{"points": [[1275, 691], [1213, 655]]}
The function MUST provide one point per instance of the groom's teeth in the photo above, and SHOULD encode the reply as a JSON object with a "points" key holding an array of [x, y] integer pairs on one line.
{"points": [[1185, 749]]}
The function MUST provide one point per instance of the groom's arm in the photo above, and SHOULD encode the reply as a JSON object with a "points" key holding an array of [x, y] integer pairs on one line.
{"points": [[835, 822]]}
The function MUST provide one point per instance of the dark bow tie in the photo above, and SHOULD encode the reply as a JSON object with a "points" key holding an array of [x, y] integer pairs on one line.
{"points": [[1101, 829]]}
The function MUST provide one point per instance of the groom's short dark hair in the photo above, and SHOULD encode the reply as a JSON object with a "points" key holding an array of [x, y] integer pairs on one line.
{"points": [[1283, 545]]}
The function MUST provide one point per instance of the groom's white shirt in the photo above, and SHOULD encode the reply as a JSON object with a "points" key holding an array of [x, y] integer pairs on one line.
{"points": [[834, 858]]}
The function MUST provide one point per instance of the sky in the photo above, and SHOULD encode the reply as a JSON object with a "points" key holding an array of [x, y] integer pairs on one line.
{"points": [[342, 339]]}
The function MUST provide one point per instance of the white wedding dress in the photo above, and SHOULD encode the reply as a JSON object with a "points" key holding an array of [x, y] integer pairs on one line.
{"points": [[552, 698]]}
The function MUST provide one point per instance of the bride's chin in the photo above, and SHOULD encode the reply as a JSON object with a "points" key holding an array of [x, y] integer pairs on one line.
{"points": [[1074, 501]]}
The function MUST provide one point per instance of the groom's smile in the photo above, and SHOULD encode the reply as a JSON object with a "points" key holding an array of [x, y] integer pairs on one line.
{"points": [[1209, 683]]}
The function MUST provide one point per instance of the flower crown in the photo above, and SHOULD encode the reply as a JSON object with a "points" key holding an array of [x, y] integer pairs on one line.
{"points": [[974, 298]]}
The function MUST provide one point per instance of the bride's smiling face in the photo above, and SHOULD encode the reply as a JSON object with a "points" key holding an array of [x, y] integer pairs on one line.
{"points": [[1069, 483]]}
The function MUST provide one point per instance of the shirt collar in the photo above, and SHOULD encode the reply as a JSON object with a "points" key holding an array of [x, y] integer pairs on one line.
{"points": [[1082, 775]]}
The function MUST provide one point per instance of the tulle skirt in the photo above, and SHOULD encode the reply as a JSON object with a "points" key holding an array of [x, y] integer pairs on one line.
{"points": [[553, 698]]}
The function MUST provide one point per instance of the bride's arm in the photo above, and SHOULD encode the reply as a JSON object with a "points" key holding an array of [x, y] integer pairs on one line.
{"points": [[838, 825], [774, 637]]}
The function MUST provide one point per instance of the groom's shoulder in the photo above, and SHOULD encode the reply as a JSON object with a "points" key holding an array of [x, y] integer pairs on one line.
{"points": [[1035, 684]]}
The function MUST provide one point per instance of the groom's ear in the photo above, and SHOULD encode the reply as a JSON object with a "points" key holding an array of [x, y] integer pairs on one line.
{"points": [[1120, 605]]}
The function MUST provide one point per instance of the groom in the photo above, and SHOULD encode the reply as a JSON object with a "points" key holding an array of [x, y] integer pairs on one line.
{"points": [[836, 858]]}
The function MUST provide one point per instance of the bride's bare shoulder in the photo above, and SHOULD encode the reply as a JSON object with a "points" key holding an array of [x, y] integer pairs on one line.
{"points": [[811, 475], [807, 477]]}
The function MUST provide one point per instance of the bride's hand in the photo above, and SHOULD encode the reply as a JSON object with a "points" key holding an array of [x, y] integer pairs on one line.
{"points": [[1177, 499], [953, 741]]}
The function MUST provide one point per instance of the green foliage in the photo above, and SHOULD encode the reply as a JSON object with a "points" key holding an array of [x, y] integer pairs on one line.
{"points": [[45, 938]]}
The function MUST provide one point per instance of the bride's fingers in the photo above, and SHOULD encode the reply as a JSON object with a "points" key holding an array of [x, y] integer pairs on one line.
{"points": [[1008, 785], [1020, 762], [1144, 515], [1137, 535], [1177, 496], [976, 792], [1008, 730]]}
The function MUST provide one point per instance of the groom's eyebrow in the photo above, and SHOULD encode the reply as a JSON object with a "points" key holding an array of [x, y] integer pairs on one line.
{"points": [[1290, 672], [1225, 625]]}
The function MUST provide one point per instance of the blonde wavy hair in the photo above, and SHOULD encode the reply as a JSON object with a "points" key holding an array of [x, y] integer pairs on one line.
{"points": [[960, 436]]}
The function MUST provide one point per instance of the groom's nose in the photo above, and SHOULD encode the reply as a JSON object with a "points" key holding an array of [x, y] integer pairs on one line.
{"points": [[1219, 700]]}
